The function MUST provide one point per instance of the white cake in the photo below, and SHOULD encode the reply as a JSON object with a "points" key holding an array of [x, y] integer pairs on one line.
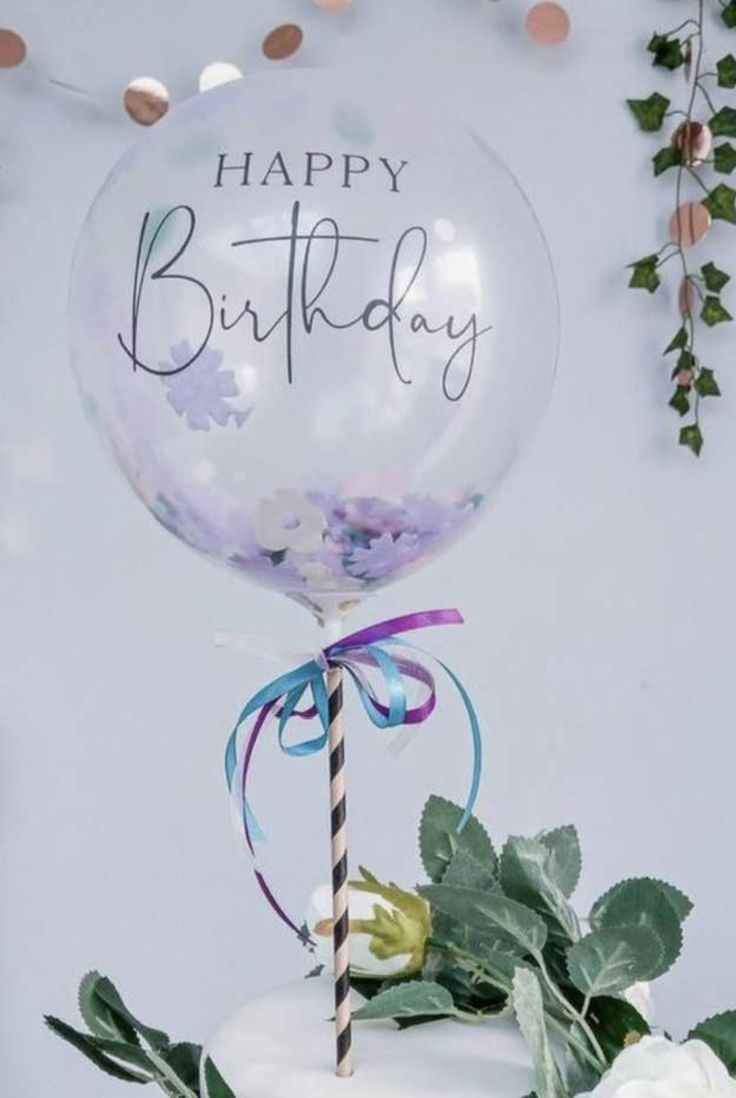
{"points": [[281, 1046]]}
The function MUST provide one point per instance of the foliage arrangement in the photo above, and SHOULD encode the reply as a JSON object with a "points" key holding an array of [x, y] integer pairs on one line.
{"points": [[491, 934], [121, 1046], [690, 156], [505, 938]]}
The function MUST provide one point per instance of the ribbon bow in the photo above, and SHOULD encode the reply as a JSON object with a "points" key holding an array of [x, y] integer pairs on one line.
{"points": [[371, 649]]}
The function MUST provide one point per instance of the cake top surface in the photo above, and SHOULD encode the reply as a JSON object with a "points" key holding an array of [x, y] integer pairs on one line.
{"points": [[281, 1046]]}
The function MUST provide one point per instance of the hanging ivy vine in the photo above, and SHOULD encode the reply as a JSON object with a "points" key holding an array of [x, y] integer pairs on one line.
{"points": [[693, 160]]}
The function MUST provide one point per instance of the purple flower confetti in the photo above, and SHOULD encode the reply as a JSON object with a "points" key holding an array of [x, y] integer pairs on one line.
{"points": [[200, 392]]}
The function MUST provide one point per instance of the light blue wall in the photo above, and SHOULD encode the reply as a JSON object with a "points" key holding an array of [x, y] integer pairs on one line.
{"points": [[600, 595]]}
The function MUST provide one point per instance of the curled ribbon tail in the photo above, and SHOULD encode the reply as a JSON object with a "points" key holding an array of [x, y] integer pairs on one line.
{"points": [[359, 654]]}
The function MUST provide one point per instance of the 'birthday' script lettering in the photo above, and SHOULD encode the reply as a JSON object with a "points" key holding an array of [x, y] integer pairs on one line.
{"points": [[312, 258]]}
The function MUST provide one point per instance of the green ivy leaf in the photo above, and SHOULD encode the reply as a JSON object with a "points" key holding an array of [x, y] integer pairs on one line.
{"points": [[88, 1046], [678, 342], [723, 122], [714, 278], [713, 312], [680, 400], [685, 361], [721, 203], [667, 52], [566, 861], [724, 158], [439, 840], [529, 1010], [706, 384], [490, 912], [640, 902], [719, 1033], [728, 14], [668, 157], [649, 113], [526, 877], [416, 999], [644, 274], [216, 1085], [609, 960], [726, 69], [692, 437]]}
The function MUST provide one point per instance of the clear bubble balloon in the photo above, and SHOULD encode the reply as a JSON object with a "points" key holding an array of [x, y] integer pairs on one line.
{"points": [[315, 328]]}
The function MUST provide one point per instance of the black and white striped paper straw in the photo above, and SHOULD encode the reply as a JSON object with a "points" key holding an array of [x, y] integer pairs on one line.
{"points": [[338, 831]]}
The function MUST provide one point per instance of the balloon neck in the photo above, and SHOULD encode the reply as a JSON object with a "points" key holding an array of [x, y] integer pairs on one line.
{"points": [[329, 609]]}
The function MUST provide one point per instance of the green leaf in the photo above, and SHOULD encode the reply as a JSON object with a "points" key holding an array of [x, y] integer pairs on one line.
{"points": [[610, 960], [726, 68], [713, 312], [706, 384], [465, 871], [714, 278], [87, 1045], [682, 904], [216, 1085], [668, 157], [685, 361], [723, 123], [724, 158], [680, 400], [488, 912], [580, 1075], [678, 343], [641, 902], [649, 113], [728, 14], [565, 862], [644, 274], [100, 1019], [529, 1010], [719, 1033], [184, 1060], [416, 999], [692, 437], [667, 52], [108, 993], [499, 966], [613, 1020], [721, 203], [525, 876], [439, 840]]}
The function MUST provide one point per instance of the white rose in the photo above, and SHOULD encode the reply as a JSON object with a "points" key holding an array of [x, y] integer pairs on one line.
{"points": [[658, 1068], [641, 998], [388, 928]]}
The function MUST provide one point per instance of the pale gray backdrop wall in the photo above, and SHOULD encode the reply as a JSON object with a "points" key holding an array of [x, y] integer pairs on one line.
{"points": [[599, 596]]}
